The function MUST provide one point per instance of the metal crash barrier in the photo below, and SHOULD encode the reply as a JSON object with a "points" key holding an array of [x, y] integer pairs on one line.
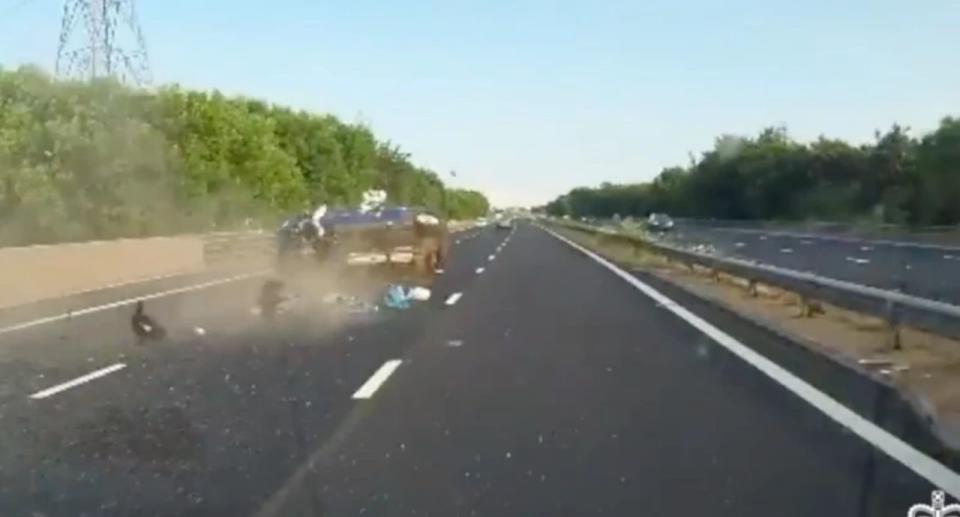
{"points": [[895, 308]]}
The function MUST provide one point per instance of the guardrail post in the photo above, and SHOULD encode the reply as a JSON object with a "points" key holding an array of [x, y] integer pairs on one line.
{"points": [[809, 308], [893, 325]]}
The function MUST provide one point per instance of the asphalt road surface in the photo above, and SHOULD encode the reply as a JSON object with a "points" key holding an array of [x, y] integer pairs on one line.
{"points": [[534, 382], [925, 270]]}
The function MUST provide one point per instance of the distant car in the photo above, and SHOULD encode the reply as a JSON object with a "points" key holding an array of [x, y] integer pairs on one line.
{"points": [[659, 222], [505, 223], [482, 221]]}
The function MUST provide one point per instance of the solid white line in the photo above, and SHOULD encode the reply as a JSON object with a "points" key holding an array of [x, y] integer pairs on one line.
{"points": [[78, 381], [128, 283], [453, 298], [128, 301], [925, 466], [377, 379], [479, 270]]}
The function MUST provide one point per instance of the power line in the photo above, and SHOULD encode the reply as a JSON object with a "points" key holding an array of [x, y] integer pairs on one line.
{"points": [[102, 38]]}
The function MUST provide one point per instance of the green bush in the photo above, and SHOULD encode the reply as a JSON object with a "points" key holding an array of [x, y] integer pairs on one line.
{"points": [[97, 160], [897, 179]]}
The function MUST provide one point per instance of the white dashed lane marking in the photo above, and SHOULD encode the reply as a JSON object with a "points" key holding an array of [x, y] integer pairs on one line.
{"points": [[49, 392], [453, 298], [377, 379]]}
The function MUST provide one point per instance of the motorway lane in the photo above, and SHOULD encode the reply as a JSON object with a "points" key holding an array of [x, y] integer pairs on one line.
{"points": [[573, 394], [550, 387], [198, 424], [923, 270]]}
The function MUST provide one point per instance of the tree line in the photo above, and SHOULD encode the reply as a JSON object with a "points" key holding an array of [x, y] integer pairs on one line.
{"points": [[98, 160], [896, 178]]}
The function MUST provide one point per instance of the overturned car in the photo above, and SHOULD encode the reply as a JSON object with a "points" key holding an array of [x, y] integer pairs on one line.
{"points": [[373, 234]]}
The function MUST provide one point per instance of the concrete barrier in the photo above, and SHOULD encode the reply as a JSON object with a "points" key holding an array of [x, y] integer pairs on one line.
{"points": [[34, 273]]}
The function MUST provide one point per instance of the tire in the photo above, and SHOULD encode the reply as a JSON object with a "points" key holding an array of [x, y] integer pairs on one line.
{"points": [[428, 257]]}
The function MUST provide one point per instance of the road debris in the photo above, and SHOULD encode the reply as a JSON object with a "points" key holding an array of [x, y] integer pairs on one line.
{"points": [[353, 304], [145, 327], [272, 300], [420, 294], [395, 298], [876, 361], [399, 296], [704, 249]]}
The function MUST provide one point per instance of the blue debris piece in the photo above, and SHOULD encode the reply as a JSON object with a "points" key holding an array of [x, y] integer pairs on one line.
{"points": [[397, 298]]}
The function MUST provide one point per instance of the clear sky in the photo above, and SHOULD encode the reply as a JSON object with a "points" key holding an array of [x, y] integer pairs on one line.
{"points": [[528, 98]]}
